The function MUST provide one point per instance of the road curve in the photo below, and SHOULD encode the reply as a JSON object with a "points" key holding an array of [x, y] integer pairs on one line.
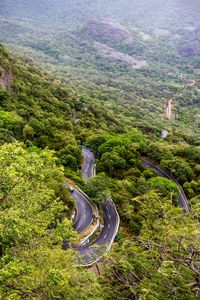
{"points": [[84, 212], [182, 199], [95, 251], [91, 253], [84, 209], [88, 165]]}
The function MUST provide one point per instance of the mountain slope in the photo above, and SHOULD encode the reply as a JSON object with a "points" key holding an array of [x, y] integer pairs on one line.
{"points": [[158, 41], [40, 111], [91, 94]]}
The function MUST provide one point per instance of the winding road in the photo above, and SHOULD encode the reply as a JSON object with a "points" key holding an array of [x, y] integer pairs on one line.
{"points": [[84, 207], [182, 199], [90, 253], [84, 212], [96, 250], [88, 166], [93, 252]]}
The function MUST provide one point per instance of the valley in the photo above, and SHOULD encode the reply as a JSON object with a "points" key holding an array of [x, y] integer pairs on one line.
{"points": [[122, 63], [117, 218]]}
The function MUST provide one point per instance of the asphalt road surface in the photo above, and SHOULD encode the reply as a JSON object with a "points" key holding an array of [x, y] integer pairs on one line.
{"points": [[84, 212], [95, 251], [91, 253], [88, 166], [182, 199]]}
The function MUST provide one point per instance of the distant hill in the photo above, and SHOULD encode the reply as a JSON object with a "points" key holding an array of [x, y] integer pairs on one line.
{"points": [[107, 29], [139, 53], [99, 74]]}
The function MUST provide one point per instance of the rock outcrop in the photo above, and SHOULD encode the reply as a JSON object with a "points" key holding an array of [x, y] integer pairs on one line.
{"points": [[106, 30], [116, 56]]}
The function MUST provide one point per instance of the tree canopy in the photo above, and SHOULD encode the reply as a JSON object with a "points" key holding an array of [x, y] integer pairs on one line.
{"points": [[33, 226]]}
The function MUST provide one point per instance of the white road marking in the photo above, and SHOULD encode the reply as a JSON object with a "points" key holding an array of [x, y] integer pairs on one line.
{"points": [[105, 236], [92, 251], [109, 217], [108, 226]]}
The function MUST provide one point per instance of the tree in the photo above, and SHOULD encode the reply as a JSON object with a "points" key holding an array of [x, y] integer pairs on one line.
{"points": [[167, 188], [95, 141], [111, 163], [162, 262], [33, 226], [98, 188], [28, 132], [179, 168]]}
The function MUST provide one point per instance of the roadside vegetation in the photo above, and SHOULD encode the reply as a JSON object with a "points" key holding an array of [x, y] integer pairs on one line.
{"points": [[43, 121], [151, 252]]}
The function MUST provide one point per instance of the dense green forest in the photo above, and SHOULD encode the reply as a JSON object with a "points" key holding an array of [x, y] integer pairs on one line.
{"points": [[61, 86], [166, 39], [39, 112]]}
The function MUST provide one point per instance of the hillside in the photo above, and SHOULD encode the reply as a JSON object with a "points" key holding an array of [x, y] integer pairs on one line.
{"points": [[106, 30], [122, 80], [142, 62], [47, 111], [39, 111]]}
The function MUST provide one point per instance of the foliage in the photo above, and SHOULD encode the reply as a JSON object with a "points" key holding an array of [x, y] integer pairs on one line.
{"points": [[166, 188], [117, 111], [98, 188], [162, 261], [33, 226]]}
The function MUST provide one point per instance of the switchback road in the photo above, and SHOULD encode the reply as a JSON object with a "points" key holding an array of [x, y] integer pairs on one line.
{"points": [[93, 252]]}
